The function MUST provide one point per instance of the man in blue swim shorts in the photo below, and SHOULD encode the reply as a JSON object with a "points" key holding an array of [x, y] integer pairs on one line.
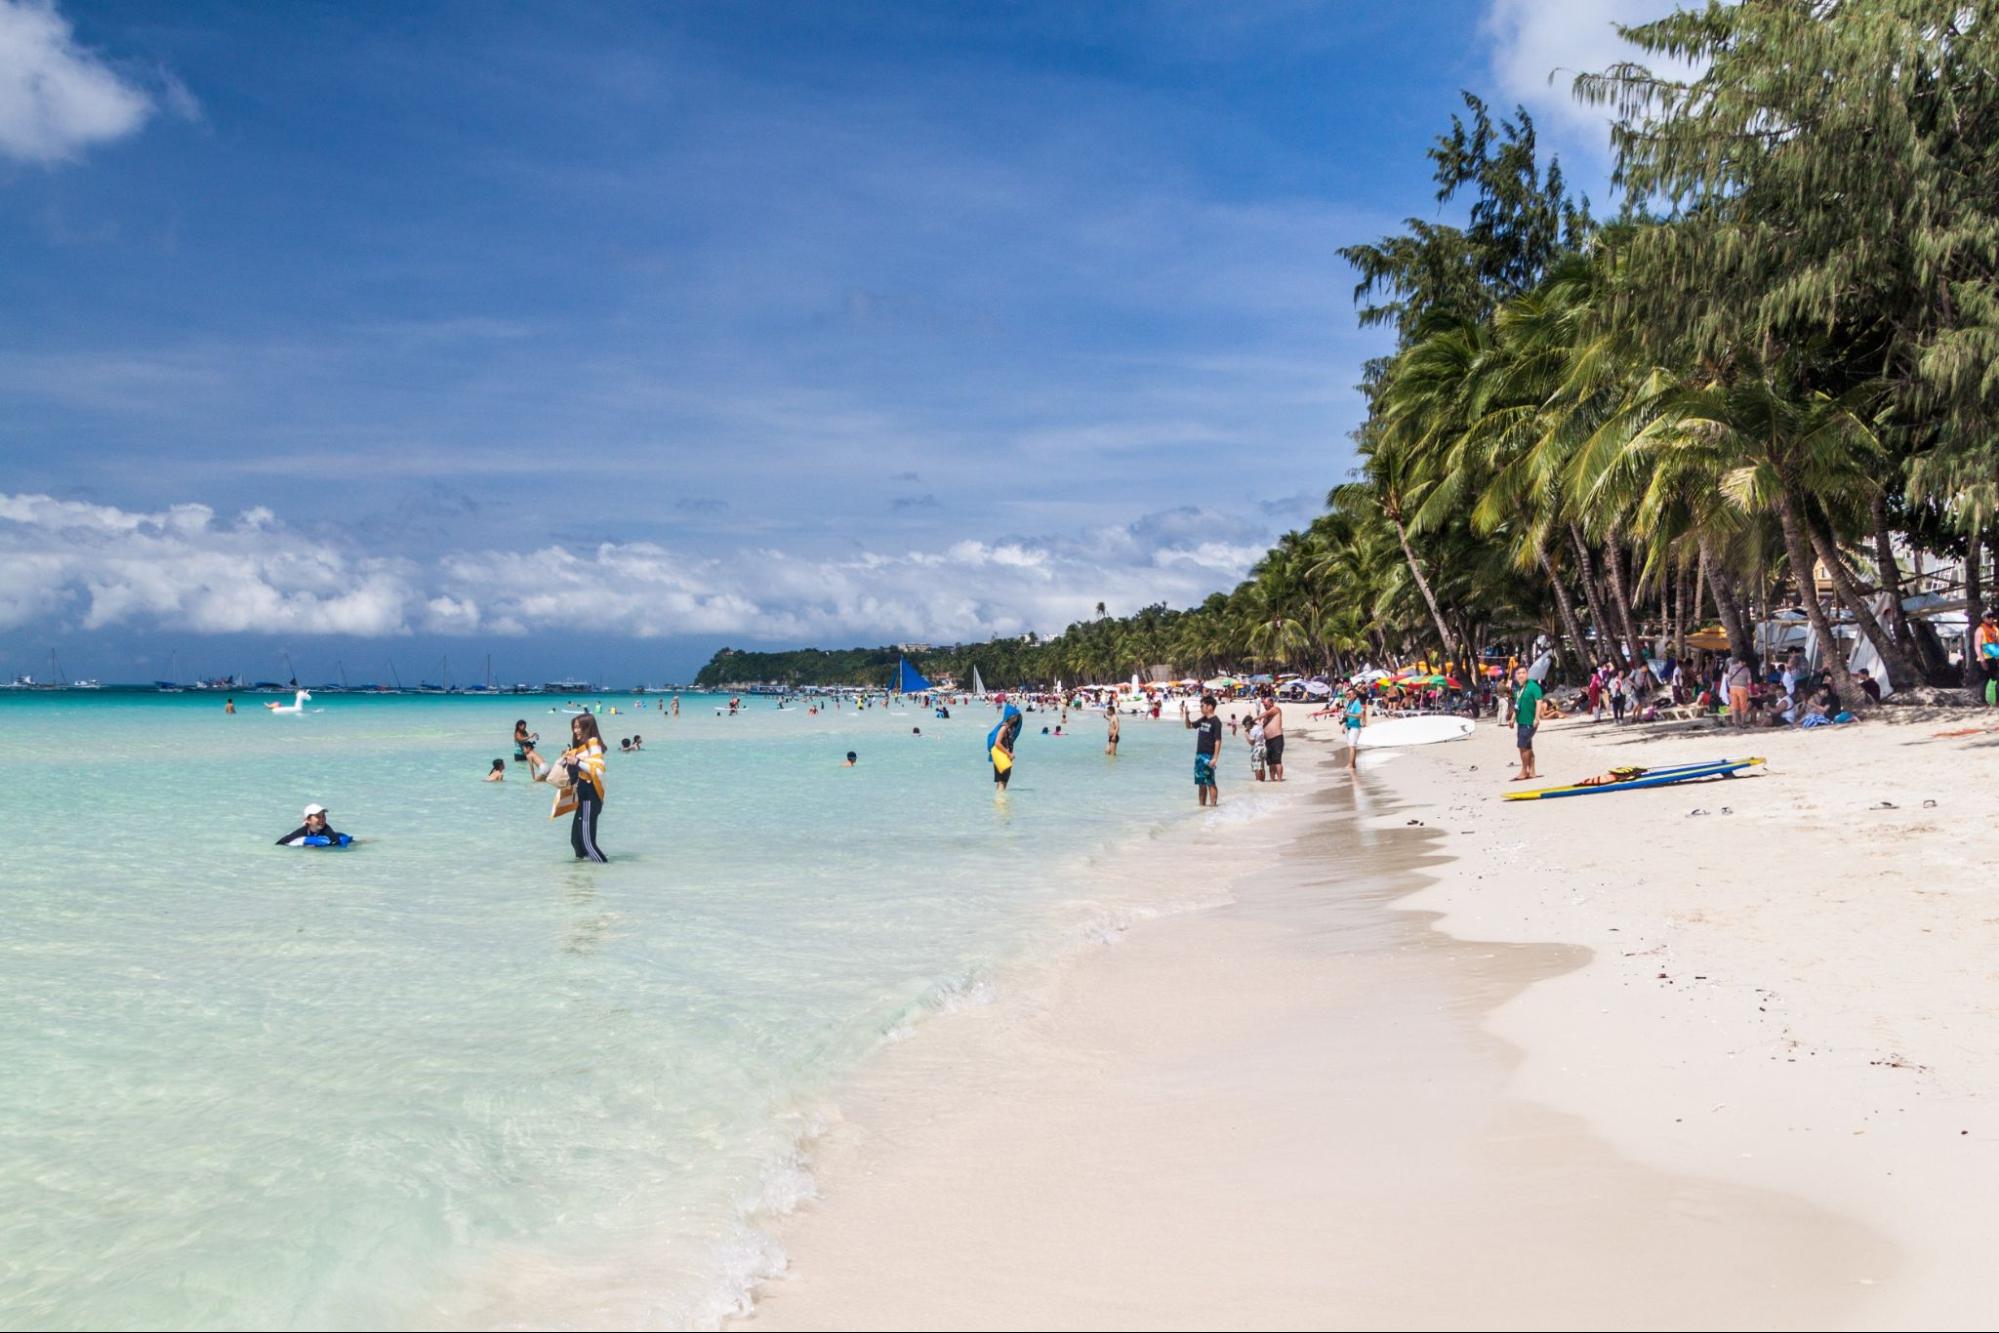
{"points": [[1207, 749]]}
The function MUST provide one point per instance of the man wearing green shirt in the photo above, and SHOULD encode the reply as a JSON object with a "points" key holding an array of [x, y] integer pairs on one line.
{"points": [[1526, 716]]}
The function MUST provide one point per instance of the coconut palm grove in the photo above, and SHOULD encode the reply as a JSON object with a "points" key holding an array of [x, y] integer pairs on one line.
{"points": [[1769, 380]]}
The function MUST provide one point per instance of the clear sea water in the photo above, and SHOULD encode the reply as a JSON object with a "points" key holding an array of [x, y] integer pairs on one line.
{"points": [[452, 1077]]}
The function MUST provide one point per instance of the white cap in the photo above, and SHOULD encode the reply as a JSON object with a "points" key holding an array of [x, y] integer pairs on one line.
{"points": [[315, 809]]}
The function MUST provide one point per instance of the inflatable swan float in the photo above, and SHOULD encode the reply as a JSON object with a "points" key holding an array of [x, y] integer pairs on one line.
{"points": [[296, 706]]}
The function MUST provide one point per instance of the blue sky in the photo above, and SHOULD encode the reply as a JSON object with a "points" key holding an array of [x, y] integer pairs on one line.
{"points": [[594, 336]]}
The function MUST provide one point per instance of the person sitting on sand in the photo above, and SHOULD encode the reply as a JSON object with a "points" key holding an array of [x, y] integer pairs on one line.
{"points": [[315, 827], [1868, 685], [498, 772]]}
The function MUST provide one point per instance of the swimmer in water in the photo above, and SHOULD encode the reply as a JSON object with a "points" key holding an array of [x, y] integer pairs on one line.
{"points": [[315, 826], [228, 705], [524, 743], [498, 773], [852, 759]]}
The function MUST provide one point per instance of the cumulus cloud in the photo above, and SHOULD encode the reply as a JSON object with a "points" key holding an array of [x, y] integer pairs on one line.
{"points": [[98, 566], [57, 97], [103, 566], [1536, 39]]}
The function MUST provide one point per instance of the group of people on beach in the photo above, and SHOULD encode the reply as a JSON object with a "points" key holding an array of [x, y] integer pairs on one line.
{"points": [[1266, 739]]}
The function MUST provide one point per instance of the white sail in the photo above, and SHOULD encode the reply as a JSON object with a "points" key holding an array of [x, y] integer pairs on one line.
{"points": [[978, 686]]}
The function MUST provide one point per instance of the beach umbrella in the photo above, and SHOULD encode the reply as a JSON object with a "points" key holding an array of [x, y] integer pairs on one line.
{"points": [[1318, 688]]}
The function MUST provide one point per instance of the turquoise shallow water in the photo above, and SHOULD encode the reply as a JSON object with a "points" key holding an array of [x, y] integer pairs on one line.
{"points": [[452, 1077]]}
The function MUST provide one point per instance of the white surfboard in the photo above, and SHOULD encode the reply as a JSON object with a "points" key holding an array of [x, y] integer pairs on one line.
{"points": [[1415, 731]]}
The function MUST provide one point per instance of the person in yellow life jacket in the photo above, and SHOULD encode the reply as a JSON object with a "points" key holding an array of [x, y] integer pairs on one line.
{"points": [[583, 762], [999, 746], [1987, 644]]}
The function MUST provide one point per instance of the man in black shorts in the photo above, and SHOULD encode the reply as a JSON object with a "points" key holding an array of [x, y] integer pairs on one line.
{"points": [[1272, 718]]}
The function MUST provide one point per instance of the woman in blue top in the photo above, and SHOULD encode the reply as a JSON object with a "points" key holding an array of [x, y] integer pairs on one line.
{"points": [[1351, 721]]}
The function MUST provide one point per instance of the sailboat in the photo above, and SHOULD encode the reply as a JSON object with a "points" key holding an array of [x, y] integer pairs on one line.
{"points": [[487, 686], [170, 686], [908, 680], [978, 686]]}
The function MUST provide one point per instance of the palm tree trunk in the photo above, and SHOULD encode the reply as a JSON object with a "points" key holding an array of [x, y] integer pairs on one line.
{"points": [[1974, 596], [1613, 563], [1606, 636], [1429, 597], [1889, 575], [1698, 613], [1901, 667], [1798, 546], [1679, 610], [1567, 608], [1725, 605]]}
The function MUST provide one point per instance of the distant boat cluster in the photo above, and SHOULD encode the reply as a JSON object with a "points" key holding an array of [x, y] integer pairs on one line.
{"points": [[239, 684]]}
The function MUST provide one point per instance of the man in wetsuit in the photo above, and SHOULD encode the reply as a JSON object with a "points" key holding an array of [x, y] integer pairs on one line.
{"points": [[315, 826]]}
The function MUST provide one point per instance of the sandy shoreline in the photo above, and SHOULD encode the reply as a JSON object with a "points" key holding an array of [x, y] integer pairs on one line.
{"points": [[1308, 1107]]}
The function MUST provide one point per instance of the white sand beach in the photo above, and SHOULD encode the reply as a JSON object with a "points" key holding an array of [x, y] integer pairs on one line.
{"points": [[1442, 1060]]}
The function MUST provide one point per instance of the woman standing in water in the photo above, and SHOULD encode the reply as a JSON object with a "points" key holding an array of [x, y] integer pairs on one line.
{"points": [[584, 762], [524, 743]]}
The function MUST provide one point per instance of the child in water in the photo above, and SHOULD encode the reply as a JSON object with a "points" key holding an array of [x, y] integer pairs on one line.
{"points": [[498, 773]]}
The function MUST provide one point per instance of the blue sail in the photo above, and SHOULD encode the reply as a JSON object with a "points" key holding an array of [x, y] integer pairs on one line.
{"points": [[909, 680]]}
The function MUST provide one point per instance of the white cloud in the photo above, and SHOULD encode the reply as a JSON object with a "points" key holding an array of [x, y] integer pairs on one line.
{"points": [[1535, 39], [98, 566], [58, 98], [104, 566]]}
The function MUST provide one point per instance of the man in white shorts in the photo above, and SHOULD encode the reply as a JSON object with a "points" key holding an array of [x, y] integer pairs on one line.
{"points": [[1352, 718]]}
